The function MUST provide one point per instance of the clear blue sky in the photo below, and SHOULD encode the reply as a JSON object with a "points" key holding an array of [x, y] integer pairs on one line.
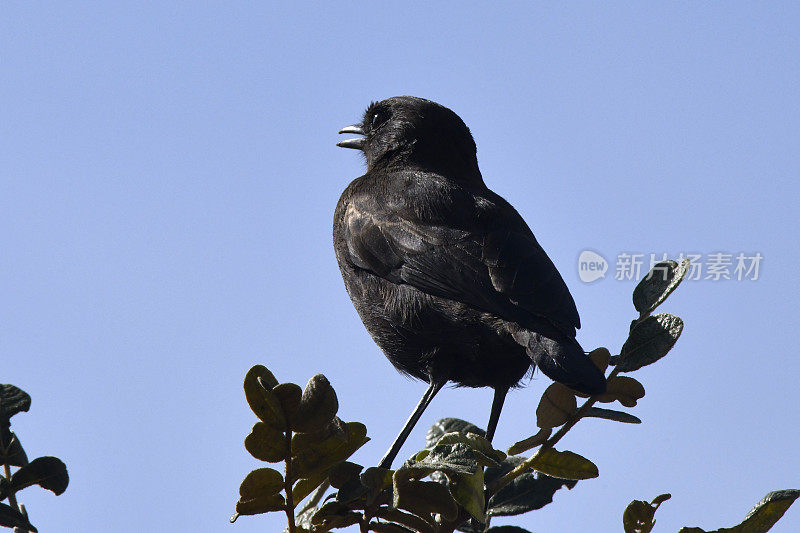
{"points": [[168, 173]]}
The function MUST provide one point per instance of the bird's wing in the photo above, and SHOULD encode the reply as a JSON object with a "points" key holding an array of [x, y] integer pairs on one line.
{"points": [[495, 266]]}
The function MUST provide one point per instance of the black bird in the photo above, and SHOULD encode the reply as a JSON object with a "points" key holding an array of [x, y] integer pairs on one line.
{"points": [[445, 274]]}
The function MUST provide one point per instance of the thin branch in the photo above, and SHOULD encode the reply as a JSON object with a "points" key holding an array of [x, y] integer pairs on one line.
{"points": [[12, 495], [287, 481], [525, 466], [316, 496]]}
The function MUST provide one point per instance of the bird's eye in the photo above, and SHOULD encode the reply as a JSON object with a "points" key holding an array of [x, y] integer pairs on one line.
{"points": [[378, 118]]}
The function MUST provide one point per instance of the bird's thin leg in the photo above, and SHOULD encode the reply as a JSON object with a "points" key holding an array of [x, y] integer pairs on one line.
{"points": [[434, 387], [497, 406]]}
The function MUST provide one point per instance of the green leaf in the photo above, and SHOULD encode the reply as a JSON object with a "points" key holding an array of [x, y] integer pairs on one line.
{"points": [[306, 486], [410, 521], [260, 483], [528, 492], [449, 425], [467, 490], [261, 372], [768, 511], [289, 396], [266, 443], [649, 341], [555, 407], [10, 517], [14, 455], [316, 457], [336, 430], [344, 472], [639, 515], [624, 389], [487, 456], [335, 515], [262, 400], [450, 459], [610, 414], [318, 406], [367, 488], [531, 442], [48, 472], [376, 478], [303, 520], [659, 283], [353, 491], [13, 400], [455, 458], [600, 358], [422, 497], [564, 465], [507, 529], [762, 517], [267, 504]]}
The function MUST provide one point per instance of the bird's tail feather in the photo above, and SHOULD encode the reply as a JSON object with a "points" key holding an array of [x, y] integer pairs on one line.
{"points": [[564, 360]]}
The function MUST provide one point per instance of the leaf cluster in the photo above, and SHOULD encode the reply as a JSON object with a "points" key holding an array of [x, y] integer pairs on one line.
{"points": [[298, 427], [48, 472], [639, 515], [459, 481], [439, 489]]}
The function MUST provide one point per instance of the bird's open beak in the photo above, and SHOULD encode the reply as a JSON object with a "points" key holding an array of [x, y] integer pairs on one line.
{"points": [[358, 144]]}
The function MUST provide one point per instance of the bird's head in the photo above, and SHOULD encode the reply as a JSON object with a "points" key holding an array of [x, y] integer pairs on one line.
{"points": [[409, 132]]}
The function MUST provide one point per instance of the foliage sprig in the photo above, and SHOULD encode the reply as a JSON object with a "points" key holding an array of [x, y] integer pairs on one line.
{"points": [[48, 472], [459, 481]]}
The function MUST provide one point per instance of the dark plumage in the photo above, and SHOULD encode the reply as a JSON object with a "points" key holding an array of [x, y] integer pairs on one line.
{"points": [[445, 274]]}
